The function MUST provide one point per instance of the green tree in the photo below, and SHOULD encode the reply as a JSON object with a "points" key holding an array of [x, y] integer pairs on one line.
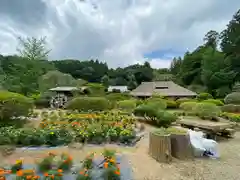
{"points": [[33, 48], [211, 39], [175, 65], [105, 80], [55, 78], [230, 43]]}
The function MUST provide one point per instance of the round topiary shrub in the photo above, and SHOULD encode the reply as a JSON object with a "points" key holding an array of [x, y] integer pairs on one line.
{"points": [[165, 119], [214, 101], [188, 106], [157, 103], [171, 104], [233, 98], [204, 96], [145, 110], [182, 100], [88, 104], [207, 110], [14, 105], [127, 105]]}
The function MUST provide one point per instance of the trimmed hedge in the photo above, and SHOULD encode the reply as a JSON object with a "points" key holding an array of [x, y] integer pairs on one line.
{"points": [[231, 108], [14, 105], [214, 101], [204, 96], [188, 106], [207, 110], [233, 98], [126, 105], [157, 103], [171, 104], [88, 104], [182, 100]]}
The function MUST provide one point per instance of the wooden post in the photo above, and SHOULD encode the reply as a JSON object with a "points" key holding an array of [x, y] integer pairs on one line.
{"points": [[160, 147], [181, 146]]}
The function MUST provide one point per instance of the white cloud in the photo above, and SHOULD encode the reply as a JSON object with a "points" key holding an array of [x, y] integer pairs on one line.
{"points": [[118, 32]]}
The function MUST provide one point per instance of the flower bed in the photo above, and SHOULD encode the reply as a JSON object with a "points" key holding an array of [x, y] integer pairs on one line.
{"points": [[91, 128], [54, 167]]}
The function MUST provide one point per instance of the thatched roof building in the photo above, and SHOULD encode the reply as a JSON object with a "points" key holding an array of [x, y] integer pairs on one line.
{"points": [[164, 88]]}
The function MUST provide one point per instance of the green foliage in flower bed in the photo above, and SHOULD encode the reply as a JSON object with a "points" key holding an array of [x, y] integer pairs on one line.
{"points": [[54, 167], [73, 128]]}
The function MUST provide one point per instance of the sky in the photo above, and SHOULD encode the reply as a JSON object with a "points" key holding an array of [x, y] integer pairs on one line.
{"points": [[119, 32]]}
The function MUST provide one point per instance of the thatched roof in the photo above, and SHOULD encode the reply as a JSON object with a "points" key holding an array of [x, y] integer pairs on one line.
{"points": [[164, 88]]}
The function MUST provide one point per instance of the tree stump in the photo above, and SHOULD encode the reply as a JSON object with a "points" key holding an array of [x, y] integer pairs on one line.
{"points": [[160, 147], [181, 146]]}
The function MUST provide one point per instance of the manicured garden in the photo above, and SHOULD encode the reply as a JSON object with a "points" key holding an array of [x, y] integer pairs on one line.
{"points": [[112, 118]]}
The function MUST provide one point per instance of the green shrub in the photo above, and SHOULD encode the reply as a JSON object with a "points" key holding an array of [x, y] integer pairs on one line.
{"points": [[14, 105], [204, 96], [43, 100], [95, 88], [188, 106], [214, 101], [145, 110], [207, 110], [128, 105], [88, 104], [171, 104], [231, 108], [182, 100], [117, 96], [165, 119], [233, 98], [157, 103]]}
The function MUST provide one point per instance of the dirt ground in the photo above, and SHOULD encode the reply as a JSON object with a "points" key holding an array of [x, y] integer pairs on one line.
{"points": [[146, 168]]}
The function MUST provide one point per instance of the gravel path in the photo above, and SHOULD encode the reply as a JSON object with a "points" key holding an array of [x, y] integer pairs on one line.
{"points": [[225, 168]]}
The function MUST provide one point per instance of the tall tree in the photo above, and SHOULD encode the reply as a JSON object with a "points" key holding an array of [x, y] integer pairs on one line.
{"points": [[230, 44], [211, 39], [33, 48]]}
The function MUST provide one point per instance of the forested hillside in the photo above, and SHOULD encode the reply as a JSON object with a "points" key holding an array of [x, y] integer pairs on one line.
{"points": [[212, 67]]}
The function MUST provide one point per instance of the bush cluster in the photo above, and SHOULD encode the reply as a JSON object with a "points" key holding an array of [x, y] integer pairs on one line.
{"points": [[88, 104], [126, 105], [171, 104], [231, 108], [13, 105], [182, 100], [214, 101], [207, 110], [233, 98], [188, 106], [155, 110], [204, 96]]}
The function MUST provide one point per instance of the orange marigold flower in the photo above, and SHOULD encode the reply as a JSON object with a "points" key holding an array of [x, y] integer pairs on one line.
{"points": [[60, 174], [19, 173], [52, 176], [29, 177], [2, 178], [105, 165], [86, 175], [117, 172], [46, 174], [60, 170], [36, 177], [81, 172]]}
